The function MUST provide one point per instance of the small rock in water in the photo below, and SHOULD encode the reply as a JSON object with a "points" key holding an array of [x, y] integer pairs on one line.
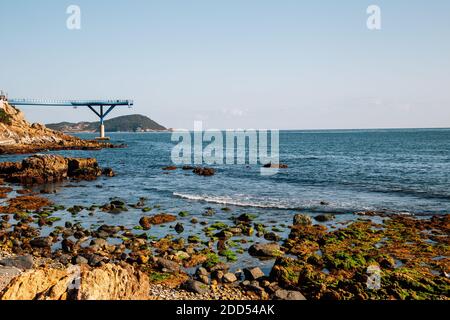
{"points": [[324, 217], [145, 223], [179, 228], [206, 172]]}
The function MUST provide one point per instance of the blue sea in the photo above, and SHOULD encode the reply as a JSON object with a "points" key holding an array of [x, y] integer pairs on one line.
{"points": [[341, 172]]}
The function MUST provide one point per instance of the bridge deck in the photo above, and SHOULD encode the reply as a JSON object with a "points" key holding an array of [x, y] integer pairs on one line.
{"points": [[69, 103], [97, 106]]}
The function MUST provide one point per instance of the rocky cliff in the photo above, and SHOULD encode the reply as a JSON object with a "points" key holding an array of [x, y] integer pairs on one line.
{"points": [[19, 136]]}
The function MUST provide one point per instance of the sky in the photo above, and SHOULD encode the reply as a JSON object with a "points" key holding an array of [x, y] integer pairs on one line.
{"points": [[285, 64]]}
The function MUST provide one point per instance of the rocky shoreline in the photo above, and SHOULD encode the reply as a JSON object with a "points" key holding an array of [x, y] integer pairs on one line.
{"points": [[42, 257], [115, 262]]}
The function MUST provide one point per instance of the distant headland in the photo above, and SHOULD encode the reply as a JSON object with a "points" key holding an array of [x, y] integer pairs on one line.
{"points": [[128, 123]]}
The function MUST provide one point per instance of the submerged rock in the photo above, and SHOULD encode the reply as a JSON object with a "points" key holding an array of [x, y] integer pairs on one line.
{"points": [[324, 217], [206, 172]]}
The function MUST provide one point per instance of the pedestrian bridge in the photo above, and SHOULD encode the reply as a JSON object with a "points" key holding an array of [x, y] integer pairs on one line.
{"points": [[100, 107]]}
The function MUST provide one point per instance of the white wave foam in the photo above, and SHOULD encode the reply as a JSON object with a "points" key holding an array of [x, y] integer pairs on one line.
{"points": [[230, 201]]}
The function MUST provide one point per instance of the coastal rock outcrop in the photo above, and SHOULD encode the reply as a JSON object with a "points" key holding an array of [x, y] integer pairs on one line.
{"points": [[109, 282], [40, 169]]}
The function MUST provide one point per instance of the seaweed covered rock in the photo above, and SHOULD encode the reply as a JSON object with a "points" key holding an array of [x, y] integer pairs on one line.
{"points": [[398, 259]]}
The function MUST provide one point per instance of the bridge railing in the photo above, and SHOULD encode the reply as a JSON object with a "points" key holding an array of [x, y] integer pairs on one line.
{"points": [[54, 102]]}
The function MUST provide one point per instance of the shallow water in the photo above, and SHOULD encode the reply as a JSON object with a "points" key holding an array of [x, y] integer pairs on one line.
{"points": [[342, 172]]}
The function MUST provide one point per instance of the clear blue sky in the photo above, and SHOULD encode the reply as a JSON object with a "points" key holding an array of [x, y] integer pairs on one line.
{"points": [[247, 63]]}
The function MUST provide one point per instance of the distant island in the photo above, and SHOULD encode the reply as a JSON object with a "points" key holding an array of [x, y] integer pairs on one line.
{"points": [[129, 123]]}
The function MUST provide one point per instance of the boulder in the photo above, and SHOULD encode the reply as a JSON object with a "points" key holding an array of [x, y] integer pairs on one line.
{"points": [[301, 219], [109, 282], [168, 265], [282, 294], [47, 168], [195, 286], [83, 169], [253, 273], [144, 222], [229, 277]]}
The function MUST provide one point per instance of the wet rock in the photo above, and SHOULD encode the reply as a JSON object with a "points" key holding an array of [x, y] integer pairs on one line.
{"points": [[195, 286], [244, 218], [276, 166], [108, 230], [282, 294], [22, 203], [194, 239], [41, 242], [46, 168], [206, 172], [145, 223], [265, 250], [67, 245], [271, 236], [109, 172], [179, 228], [170, 168], [20, 262], [217, 275], [324, 217], [253, 273], [159, 219], [301, 219]]}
